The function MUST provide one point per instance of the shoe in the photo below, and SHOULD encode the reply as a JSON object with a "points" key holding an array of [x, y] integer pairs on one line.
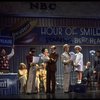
{"points": [[52, 92], [35, 92], [66, 91], [28, 93]]}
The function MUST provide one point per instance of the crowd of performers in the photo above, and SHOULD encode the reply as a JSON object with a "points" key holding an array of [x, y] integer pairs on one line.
{"points": [[37, 77]]}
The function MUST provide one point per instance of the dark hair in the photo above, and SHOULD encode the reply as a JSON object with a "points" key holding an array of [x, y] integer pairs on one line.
{"points": [[98, 51], [54, 48], [43, 50]]}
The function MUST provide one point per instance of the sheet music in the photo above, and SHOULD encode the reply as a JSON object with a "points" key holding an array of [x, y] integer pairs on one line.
{"points": [[36, 59]]}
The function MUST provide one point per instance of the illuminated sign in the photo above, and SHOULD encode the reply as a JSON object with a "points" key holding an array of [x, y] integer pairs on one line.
{"points": [[6, 41], [3, 83]]}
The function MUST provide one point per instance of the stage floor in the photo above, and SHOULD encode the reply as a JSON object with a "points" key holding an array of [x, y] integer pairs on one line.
{"points": [[90, 94]]}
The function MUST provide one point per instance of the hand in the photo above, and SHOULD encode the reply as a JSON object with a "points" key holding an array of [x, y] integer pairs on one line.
{"points": [[52, 59], [76, 65], [69, 61], [94, 71]]}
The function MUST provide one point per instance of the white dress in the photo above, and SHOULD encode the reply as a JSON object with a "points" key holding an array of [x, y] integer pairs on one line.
{"points": [[79, 62]]}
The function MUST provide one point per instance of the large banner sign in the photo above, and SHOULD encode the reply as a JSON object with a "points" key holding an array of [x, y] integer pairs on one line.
{"points": [[6, 41], [61, 35], [30, 33], [70, 35]]}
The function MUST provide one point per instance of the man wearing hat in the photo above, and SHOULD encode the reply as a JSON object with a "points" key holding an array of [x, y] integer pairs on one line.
{"points": [[51, 70], [29, 57], [66, 60], [78, 63]]}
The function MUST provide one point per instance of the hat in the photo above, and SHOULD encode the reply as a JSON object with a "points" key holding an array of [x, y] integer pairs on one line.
{"points": [[32, 49], [66, 45], [78, 46], [22, 64], [53, 47]]}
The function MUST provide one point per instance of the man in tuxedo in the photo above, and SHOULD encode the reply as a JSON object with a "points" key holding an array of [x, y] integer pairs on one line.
{"points": [[51, 70]]}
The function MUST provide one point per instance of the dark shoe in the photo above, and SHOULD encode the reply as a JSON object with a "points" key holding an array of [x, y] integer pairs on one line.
{"points": [[35, 92], [48, 92], [28, 93], [53, 92], [66, 91]]}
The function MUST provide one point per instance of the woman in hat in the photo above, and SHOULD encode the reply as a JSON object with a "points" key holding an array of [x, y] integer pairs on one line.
{"points": [[78, 63]]}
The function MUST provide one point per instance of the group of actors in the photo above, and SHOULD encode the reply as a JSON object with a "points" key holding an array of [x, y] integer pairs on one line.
{"points": [[31, 75]]}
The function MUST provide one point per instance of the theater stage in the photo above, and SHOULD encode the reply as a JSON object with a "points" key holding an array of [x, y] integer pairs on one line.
{"points": [[90, 94]]}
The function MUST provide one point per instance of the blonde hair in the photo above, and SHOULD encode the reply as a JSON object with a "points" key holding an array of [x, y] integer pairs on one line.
{"points": [[65, 45], [22, 66]]}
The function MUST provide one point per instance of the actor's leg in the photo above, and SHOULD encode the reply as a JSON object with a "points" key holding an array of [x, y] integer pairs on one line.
{"points": [[48, 82], [53, 80]]}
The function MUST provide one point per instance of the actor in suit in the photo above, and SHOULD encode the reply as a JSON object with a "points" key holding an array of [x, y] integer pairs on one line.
{"points": [[66, 60], [51, 70]]}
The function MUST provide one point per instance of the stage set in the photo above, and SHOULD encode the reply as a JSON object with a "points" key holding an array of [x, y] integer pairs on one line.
{"points": [[9, 89], [32, 26]]}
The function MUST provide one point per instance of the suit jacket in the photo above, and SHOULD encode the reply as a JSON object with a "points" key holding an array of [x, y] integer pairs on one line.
{"points": [[67, 66], [52, 62]]}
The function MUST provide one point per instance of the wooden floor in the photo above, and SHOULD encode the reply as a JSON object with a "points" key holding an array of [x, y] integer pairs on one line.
{"points": [[90, 94]]}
